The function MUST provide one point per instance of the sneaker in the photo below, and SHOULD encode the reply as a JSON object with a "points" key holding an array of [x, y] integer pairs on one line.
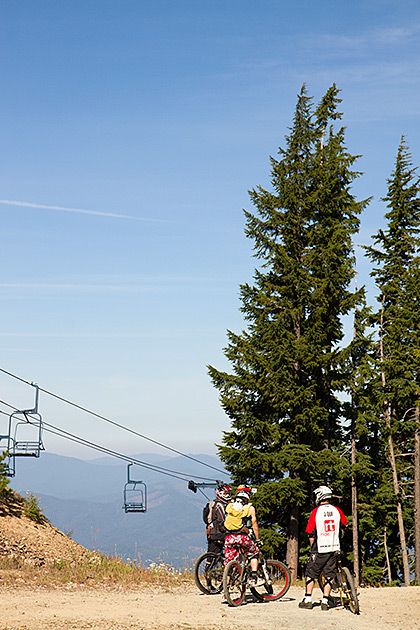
{"points": [[304, 604], [254, 582], [325, 606]]}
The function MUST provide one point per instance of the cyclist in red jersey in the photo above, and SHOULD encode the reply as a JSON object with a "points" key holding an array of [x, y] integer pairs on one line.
{"points": [[323, 529]]}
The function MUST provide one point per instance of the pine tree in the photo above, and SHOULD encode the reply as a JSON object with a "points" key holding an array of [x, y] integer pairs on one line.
{"points": [[282, 397], [396, 275]]}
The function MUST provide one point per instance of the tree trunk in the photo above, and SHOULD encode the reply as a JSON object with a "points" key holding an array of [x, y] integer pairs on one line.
{"points": [[292, 549], [354, 520], [404, 553], [388, 564], [417, 497], [391, 459]]}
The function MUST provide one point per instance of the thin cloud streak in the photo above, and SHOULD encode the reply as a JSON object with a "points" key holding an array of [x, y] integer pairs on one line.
{"points": [[26, 204], [170, 333]]}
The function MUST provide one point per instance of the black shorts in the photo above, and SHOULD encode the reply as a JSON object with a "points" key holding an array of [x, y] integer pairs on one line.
{"points": [[325, 562], [215, 546]]}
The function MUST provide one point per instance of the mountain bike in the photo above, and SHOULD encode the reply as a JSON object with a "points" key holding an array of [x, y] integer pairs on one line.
{"points": [[273, 580], [208, 573], [343, 590]]}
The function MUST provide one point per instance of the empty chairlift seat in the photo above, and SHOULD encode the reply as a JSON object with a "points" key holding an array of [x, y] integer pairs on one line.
{"points": [[25, 435], [135, 494]]}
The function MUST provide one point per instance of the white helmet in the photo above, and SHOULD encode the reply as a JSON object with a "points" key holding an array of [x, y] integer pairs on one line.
{"points": [[322, 494]]}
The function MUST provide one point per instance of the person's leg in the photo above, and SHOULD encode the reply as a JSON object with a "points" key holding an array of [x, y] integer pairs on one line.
{"points": [[231, 547], [215, 546], [252, 552], [329, 572], [311, 574]]}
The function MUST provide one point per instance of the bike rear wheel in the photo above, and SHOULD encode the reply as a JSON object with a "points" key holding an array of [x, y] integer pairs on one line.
{"points": [[350, 591], [208, 573], [234, 584], [278, 581]]}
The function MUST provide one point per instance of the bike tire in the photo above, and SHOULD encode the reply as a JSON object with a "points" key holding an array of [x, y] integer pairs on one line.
{"points": [[280, 582], [234, 585], [350, 591], [208, 573]]}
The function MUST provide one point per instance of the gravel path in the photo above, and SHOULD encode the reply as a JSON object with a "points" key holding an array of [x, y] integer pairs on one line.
{"points": [[186, 609]]}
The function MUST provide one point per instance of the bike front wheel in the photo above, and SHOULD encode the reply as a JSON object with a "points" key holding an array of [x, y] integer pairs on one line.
{"points": [[350, 591], [276, 581], [208, 573], [234, 584]]}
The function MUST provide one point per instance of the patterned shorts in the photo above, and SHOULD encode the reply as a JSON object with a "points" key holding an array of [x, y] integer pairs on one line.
{"points": [[234, 541]]}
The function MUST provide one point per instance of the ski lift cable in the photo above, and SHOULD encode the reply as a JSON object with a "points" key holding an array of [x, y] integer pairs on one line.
{"points": [[167, 471], [113, 422], [103, 449], [107, 451]]}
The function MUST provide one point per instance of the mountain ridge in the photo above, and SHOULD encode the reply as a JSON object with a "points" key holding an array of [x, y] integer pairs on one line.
{"points": [[84, 498]]}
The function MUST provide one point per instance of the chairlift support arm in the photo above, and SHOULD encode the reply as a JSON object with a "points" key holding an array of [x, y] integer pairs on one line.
{"points": [[195, 485]]}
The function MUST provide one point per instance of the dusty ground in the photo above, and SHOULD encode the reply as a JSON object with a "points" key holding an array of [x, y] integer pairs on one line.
{"points": [[26, 607], [187, 609]]}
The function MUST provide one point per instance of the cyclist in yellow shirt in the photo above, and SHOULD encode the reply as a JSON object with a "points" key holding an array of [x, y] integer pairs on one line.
{"points": [[238, 514]]}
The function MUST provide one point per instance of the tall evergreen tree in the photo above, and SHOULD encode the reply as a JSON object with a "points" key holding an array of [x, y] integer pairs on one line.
{"points": [[282, 397], [395, 253]]}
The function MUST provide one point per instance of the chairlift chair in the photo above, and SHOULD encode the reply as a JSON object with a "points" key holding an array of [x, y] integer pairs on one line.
{"points": [[19, 423], [135, 494]]}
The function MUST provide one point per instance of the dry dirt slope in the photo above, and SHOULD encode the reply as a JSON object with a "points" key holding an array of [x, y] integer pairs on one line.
{"points": [[34, 543]]}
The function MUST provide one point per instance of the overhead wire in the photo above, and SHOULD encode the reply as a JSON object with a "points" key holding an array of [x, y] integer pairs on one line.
{"points": [[112, 422], [50, 428]]}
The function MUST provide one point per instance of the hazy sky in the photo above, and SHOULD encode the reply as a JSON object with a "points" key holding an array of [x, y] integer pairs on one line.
{"points": [[130, 133]]}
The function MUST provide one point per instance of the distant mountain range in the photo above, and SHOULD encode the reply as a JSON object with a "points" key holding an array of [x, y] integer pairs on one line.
{"points": [[84, 500]]}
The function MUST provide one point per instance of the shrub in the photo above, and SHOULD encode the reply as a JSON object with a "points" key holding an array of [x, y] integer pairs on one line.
{"points": [[32, 509], [4, 480]]}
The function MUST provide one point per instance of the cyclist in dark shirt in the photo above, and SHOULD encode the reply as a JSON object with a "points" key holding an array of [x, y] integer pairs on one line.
{"points": [[215, 517]]}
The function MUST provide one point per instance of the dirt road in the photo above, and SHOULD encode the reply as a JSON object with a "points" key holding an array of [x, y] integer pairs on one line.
{"points": [[79, 608]]}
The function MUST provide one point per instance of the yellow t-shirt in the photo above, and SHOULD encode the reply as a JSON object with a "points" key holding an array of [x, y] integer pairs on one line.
{"points": [[236, 513]]}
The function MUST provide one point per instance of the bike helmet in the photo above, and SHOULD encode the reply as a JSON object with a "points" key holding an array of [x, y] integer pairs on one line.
{"points": [[244, 492], [224, 492], [322, 493]]}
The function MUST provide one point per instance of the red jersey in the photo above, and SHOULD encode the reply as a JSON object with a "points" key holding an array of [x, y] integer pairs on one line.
{"points": [[324, 523]]}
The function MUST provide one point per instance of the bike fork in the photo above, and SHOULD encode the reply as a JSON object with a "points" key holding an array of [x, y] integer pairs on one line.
{"points": [[266, 575]]}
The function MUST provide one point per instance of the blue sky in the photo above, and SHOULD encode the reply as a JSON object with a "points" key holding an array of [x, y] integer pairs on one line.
{"points": [[130, 133]]}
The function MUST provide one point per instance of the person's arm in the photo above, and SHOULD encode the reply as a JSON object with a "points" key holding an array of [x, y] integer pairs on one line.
{"points": [[343, 518], [254, 523], [311, 528]]}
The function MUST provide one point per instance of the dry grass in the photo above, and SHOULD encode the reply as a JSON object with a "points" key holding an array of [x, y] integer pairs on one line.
{"points": [[93, 571]]}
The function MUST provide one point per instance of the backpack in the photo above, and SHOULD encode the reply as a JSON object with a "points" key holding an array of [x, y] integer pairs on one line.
{"points": [[212, 518], [208, 512]]}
